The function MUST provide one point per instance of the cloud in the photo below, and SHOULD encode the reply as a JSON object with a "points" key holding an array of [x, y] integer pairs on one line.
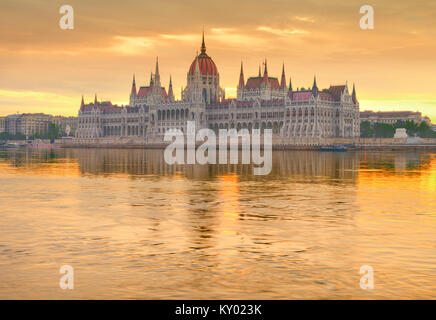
{"points": [[233, 37], [181, 37], [305, 19], [282, 32], [35, 101], [131, 45]]}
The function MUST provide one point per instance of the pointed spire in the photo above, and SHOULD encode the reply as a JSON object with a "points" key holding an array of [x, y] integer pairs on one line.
{"points": [[290, 85], [203, 45], [83, 102], [260, 74], [133, 86], [95, 100], [156, 73], [283, 81], [241, 77], [265, 72], [353, 95], [314, 86], [170, 90], [151, 79]]}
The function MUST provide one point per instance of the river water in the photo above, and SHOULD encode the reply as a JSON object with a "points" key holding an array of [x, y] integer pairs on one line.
{"points": [[133, 227]]}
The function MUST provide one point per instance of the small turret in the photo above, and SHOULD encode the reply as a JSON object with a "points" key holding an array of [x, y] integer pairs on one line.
{"points": [[353, 95], [314, 87], [133, 92], [283, 80], [241, 78], [265, 72], [156, 73], [170, 91]]}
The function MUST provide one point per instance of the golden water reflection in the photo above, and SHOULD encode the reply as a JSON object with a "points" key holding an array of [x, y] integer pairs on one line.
{"points": [[135, 227]]}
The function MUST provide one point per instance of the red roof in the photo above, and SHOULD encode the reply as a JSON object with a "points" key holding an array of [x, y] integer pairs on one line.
{"points": [[326, 96], [336, 91], [145, 91], [255, 82], [205, 64], [301, 95]]}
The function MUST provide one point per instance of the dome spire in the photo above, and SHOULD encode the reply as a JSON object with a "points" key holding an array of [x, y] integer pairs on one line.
{"points": [[203, 45]]}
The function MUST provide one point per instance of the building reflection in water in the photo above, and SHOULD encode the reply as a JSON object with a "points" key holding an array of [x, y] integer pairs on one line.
{"points": [[139, 163], [209, 231]]}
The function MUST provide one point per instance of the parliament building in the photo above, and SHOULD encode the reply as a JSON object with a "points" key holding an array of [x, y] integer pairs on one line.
{"points": [[262, 102]]}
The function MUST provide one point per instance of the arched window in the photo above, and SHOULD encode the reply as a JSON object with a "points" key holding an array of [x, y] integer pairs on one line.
{"points": [[204, 95]]}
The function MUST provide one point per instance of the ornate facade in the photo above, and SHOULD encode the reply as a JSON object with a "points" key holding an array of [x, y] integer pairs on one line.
{"points": [[261, 102]]}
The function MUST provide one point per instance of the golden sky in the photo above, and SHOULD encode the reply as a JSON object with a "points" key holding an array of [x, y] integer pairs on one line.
{"points": [[46, 69]]}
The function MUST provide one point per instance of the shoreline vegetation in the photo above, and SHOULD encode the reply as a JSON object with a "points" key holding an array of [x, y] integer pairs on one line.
{"points": [[386, 130]]}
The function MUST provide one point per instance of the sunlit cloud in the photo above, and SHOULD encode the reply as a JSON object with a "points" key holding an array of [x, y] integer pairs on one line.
{"points": [[181, 37], [34, 101], [305, 19], [131, 45], [281, 32], [222, 30], [231, 36], [39, 96]]}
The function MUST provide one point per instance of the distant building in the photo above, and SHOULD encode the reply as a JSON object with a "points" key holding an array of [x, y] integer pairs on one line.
{"points": [[30, 124], [392, 117], [2, 124], [13, 124]]}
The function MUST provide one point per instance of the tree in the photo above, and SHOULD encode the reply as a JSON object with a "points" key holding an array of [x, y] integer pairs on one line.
{"points": [[384, 130], [54, 131], [425, 131], [366, 130]]}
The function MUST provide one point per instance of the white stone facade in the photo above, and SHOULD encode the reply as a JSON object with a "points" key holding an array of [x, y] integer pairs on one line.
{"points": [[262, 102]]}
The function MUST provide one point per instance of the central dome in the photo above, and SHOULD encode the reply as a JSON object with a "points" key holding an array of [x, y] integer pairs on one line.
{"points": [[205, 63]]}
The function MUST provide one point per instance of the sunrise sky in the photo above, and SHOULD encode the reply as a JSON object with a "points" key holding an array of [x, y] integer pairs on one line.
{"points": [[46, 69]]}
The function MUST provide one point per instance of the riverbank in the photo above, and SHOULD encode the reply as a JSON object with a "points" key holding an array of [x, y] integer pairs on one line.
{"points": [[278, 143]]}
